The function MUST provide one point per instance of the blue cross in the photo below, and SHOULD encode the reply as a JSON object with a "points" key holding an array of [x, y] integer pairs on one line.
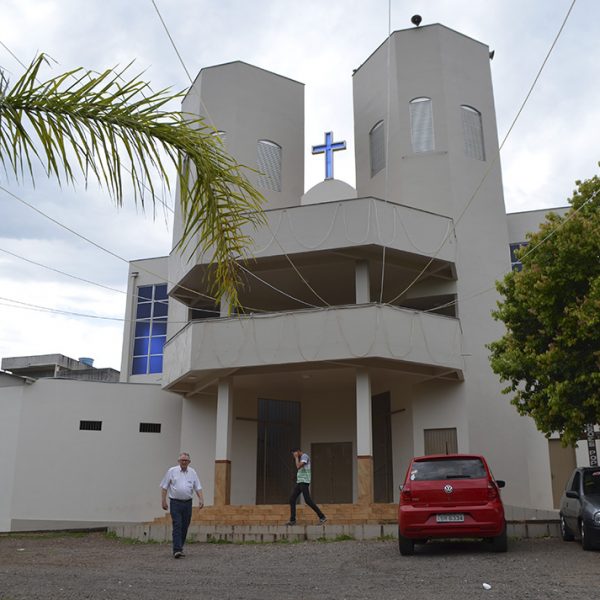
{"points": [[329, 148]]}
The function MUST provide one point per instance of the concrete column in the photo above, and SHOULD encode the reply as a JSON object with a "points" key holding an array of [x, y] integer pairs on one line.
{"points": [[225, 308], [223, 442], [362, 282], [364, 437]]}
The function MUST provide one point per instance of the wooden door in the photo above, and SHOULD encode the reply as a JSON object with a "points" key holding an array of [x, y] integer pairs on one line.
{"points": [[383, 477], [331, 466], [278, 432]]}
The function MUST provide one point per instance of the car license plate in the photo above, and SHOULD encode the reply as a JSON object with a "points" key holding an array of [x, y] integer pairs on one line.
{"points": [[450, 518]]}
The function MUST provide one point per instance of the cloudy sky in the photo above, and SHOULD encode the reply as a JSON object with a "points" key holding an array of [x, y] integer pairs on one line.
{"points": [[554, 142]]}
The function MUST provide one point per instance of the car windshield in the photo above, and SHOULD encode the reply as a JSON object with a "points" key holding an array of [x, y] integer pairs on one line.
{"points": [[456, 468], [591, 482]]}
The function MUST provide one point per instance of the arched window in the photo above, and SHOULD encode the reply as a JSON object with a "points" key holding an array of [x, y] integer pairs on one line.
{"points": [[421, 124], [269, 165], [377, 146], [473, 132]]}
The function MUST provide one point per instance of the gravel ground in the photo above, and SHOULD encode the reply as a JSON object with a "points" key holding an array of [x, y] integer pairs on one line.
{"points": [[92, 565]]}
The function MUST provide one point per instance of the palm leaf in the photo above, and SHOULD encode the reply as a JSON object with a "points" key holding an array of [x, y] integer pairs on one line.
{"points": [[116, 130]]}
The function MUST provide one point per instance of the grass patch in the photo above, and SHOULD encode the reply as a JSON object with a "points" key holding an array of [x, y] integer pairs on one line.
{"points": [[111, 535], [212, 540]]}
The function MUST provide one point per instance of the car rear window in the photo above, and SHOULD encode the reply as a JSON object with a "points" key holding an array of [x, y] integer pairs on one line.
{"points": [[459, 468]]}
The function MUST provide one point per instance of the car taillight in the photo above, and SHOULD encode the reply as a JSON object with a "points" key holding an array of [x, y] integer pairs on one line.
{"points": [[405, 496], [492, 492]]}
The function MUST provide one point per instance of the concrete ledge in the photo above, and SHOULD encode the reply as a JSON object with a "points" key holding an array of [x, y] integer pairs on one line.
{"points": [[526, 529]]}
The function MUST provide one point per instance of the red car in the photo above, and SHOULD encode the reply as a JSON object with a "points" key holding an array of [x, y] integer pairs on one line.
{"points": [[450, 496]]}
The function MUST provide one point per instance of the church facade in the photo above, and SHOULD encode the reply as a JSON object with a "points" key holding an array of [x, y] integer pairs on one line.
{"points": [[364, 317]]}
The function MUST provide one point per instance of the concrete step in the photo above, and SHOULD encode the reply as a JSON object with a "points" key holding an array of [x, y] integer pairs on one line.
{"points": [[279, 514], [161, 532]]}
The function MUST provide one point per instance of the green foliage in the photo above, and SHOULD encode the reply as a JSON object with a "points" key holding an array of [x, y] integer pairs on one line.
{"points": [[114, 129], [550, 354]]}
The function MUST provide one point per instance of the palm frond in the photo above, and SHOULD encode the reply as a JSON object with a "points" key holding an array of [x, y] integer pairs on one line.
{"points": [[117, 131]]}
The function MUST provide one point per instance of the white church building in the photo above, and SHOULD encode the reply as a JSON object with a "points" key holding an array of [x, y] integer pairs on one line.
{"points": [[365, 323]]}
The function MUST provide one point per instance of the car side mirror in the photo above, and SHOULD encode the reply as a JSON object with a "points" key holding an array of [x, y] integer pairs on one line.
{"points": [[572, 494], [401, 487], [500, 483]]}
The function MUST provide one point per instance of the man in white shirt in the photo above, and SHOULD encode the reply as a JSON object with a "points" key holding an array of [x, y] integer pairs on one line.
{"points": [[180, 483]]}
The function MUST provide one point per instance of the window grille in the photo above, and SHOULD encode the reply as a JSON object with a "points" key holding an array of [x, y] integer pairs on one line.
{"points": [[441, 441], [377, 146], [421, 125], [150, 427], [515, 263], [269, 165], [473, 133], [90, 425]]}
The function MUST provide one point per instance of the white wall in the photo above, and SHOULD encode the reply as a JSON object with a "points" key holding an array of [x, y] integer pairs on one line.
{"points": [[71, 478], [521, 223], [11, 401], [198, 437]]}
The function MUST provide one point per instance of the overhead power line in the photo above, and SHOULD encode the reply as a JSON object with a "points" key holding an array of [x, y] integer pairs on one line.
{"points": [[496, 155], [37, 264], [568, 217], [172, 41]]}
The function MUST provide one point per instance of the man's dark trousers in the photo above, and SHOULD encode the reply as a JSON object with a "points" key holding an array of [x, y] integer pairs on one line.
{"points": [[181, 515], [302, 488]]}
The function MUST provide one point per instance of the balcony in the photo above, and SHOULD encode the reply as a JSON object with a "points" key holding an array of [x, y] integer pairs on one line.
{"points": [[375, 335], [335, 234]]}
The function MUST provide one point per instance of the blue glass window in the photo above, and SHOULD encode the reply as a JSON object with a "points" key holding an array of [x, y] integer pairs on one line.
{"points": [[160, 308], [156, 363], [156, 345], [140, 366], [140, 346], [159, 327], [144, 310], [145, 293], [142, 329], [515, 263], [150, 329], [160, 292]]}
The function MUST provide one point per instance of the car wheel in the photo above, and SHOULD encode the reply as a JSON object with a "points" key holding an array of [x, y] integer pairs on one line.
{"points": [[586, 543], [500, 542], [565, 533], [405, 545]]}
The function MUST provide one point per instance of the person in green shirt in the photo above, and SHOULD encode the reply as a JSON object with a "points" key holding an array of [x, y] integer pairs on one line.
{"points": [[302, 462]]}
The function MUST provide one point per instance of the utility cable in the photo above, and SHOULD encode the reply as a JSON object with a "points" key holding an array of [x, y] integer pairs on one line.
{"points": [[37, 264], [89, 241], [195, 292], [496, 155], [387, 141], [172, 41], [567, 218], [212, 122]]}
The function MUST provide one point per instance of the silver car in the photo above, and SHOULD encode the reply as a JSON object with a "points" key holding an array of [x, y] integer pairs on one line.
{"points": [[580, 508]]}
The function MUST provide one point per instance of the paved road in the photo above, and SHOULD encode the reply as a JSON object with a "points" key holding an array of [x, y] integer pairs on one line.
{"points": [[59, 566]]}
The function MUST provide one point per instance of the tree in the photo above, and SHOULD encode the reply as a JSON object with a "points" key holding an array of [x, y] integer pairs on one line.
{"points": [[550, 354], [115, 129]]}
